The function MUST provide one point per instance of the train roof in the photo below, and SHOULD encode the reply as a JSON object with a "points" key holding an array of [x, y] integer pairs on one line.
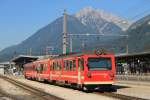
{"points": [[81, 54]]}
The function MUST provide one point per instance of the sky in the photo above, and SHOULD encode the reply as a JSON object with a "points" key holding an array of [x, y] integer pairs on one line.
{"points": [[19, 19]]}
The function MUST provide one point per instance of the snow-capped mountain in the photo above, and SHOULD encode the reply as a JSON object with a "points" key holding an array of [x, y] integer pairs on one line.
{"points": [[100, 20]]}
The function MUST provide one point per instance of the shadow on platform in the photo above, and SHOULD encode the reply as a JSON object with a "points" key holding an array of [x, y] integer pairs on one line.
{"points": [[120, 87]]}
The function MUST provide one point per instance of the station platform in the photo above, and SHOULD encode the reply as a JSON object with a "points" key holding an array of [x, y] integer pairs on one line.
{"points": [[131, 82], [145, 78], [139, 89]]}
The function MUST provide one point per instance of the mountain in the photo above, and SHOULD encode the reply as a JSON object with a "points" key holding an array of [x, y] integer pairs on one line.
{"points": [[102, 21], [50, 35], [86, 21], [139, 33]]}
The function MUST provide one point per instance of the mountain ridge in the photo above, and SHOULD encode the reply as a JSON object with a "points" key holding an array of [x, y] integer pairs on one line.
{"points": [[51, 35], [108, 17]]}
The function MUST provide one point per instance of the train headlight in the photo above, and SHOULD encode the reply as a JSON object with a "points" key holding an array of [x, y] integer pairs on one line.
{"points": [[89, 75], [111, 76]]}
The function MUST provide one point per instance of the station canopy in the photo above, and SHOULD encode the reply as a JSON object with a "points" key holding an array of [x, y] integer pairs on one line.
{"points": [[23, 59], [133, 54]]}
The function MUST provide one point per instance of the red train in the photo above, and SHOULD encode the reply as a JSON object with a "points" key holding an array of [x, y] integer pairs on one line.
{"points": [[84, 71]]}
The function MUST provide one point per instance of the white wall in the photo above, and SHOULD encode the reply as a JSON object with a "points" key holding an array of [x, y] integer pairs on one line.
{"points": [[1, 70]]}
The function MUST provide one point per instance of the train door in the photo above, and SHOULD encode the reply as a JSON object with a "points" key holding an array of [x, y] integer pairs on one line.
{"points": [[39, 71], [80, 70]]}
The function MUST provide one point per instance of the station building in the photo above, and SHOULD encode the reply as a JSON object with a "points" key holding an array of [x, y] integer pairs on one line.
{"points": [[5, 67], [134, 64], [1, 69], [20, 60]]}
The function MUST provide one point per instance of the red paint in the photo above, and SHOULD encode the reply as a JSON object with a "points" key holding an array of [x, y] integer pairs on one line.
{"points": [[47, 70]]}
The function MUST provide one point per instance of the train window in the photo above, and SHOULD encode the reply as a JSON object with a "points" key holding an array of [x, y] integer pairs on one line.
{"points": [[60, 67], [74, 65], [71, 65], [53, 66], [99, 64], [41, 66], [81, 64], [68, 65], [45, 67], [65, 67], [57, 66], [34, 68]]}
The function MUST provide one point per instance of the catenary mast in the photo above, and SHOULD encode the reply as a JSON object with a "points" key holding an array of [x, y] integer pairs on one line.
{"points": [[65, 32]]}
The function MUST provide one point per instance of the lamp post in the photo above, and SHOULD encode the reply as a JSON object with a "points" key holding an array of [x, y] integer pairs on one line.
{"points": [[70, 44]]}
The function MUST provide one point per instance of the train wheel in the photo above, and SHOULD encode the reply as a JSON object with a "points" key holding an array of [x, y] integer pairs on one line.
{"points": [[85, 89], [25, 77], [79, 87]]}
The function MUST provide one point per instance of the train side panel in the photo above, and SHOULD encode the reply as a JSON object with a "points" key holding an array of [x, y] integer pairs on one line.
{"points": [[43, 70]]}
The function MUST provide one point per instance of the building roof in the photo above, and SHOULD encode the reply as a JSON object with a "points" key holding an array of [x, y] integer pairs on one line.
{"points": [[132, 54], [24, 59], [6, 63], [2, 66]]}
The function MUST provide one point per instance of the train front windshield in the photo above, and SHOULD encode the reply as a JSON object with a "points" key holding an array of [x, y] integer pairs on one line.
{"points": [[99, 64]]}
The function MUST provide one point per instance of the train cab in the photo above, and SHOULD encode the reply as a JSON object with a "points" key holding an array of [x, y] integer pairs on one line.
{"points": [[96, 71]]}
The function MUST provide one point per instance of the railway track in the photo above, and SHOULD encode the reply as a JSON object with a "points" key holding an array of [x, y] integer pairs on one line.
{"points": [[119, 96], [4, 96], [35, 91], [45, 96]]}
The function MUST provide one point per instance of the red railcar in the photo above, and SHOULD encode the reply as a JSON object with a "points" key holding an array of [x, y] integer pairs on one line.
{"points": [[29, 71], [42, 68], [86, 71]]}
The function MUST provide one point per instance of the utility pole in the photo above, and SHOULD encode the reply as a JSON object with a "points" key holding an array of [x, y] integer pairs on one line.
{"points": [[65, 33], [83, 45], [127, 47], [70, 44]]}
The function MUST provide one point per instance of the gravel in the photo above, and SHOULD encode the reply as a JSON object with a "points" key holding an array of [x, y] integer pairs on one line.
{"points": [[65, 93], [3, 97], [15, 92]]}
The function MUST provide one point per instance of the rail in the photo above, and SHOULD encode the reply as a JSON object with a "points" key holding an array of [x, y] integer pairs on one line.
{"points": [[119, 96], [41, 94], [47, 96]]}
